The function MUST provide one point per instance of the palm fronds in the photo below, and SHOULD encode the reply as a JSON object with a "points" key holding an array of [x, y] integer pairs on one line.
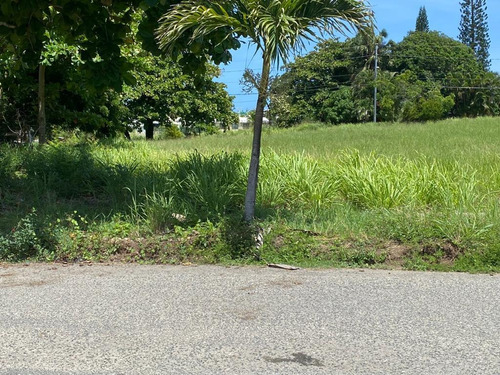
{"points": [[276, 27]]}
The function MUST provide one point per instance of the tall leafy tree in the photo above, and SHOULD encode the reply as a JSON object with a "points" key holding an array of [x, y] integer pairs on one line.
{"points": [[433, 54], [473, 30], [275, 27], [314, 86], [37, 33], [163, 93], [453, 65], [422, 23]]}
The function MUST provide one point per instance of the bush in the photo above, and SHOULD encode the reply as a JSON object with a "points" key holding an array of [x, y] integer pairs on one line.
{"points": [[23, 241], [10, 161], [171, 132]]}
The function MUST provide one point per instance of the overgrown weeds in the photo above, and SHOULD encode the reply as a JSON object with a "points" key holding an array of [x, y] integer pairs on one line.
{"points": [[95, 201]]}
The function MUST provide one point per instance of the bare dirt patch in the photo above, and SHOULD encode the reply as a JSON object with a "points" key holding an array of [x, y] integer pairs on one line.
{"points": [[395, 254]]}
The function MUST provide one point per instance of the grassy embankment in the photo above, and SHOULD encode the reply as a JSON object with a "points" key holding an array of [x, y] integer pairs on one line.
{"points": [[418, 196]]}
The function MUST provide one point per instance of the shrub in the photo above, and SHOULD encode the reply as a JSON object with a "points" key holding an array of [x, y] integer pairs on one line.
{"points": [[22, 242], [171, 132]]}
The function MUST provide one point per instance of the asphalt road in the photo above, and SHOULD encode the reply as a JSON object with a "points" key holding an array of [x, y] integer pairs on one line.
{"points": [[131, 319]]}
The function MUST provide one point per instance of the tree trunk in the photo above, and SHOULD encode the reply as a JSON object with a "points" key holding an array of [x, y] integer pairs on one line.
{"points": [[253, 171], [150, 128], [42, 121]]}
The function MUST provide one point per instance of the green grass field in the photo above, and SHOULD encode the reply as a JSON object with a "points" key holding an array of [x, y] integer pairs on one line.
{"points": [[416, 196], [463, 140]]}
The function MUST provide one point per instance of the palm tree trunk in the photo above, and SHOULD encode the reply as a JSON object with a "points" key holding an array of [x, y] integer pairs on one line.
{"points": [[42, 121], [253, 171]]}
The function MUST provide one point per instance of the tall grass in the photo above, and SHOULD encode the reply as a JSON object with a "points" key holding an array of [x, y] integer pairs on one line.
{"points": [[380, 182], [205, 186], [367, 181], [436, 182], [199, 188], [296, 179]]}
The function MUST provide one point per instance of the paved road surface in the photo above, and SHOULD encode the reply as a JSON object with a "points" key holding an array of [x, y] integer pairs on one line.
{"points": [[130, 319]]}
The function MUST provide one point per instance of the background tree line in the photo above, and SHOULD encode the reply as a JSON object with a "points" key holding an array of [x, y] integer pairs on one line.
{"points": [[96, 66], [427, 76]]}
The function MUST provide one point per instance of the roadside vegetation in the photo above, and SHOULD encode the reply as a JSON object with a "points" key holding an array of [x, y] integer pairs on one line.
{"points": [[413, 196]]}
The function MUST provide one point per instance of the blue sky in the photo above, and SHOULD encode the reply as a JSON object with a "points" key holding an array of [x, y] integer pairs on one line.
{"points": [[397, 17]]}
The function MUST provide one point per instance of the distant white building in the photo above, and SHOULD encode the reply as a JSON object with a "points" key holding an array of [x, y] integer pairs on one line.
{"points": [[245, 122]]}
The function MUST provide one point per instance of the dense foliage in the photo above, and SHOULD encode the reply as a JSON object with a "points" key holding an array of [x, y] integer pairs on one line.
{"points": [[83, 36], [427, 76], [163, 94], [65, 63]]}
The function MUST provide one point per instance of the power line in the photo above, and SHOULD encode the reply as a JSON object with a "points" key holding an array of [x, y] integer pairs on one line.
{"points": [[312, 90], [368, 56]]}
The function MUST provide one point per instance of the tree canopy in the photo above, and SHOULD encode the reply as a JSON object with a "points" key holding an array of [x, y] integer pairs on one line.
{"points": [[37, 34], [434, 54]]}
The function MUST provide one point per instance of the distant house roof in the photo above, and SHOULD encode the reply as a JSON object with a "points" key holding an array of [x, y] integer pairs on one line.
{"points": [[246, 120]]}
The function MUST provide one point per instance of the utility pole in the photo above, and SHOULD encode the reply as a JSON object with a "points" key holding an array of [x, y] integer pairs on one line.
{"points": [[375, 89]]}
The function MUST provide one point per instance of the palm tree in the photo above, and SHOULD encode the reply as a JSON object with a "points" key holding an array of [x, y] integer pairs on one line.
{"points": [[276, 27], [363, 46]]}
